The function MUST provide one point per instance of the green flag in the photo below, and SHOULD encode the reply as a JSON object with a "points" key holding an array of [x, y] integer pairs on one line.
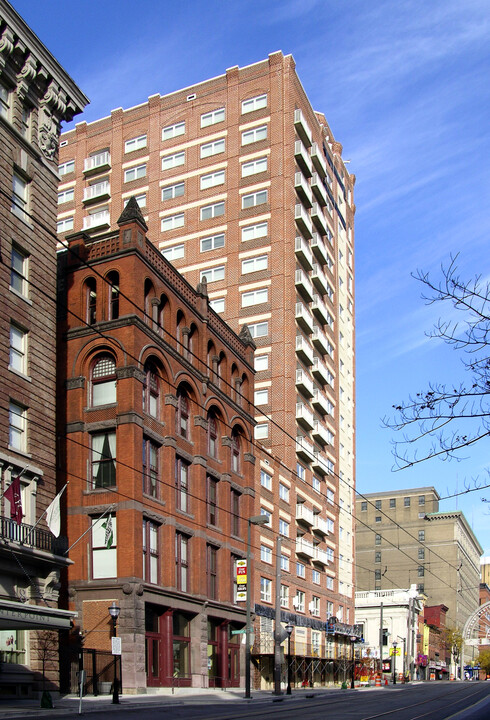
{"points": [[109, 535]]}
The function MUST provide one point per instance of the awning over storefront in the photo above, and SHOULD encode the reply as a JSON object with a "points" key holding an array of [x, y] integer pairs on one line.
{"points": [[22, 616]]}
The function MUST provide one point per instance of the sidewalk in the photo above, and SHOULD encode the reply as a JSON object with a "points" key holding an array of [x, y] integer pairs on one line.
{"points": [[69, 704]]}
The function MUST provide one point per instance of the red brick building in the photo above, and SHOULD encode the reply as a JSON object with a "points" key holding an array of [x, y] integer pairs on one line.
{"points": [[241, 182], [159, 439], [36, 95]]}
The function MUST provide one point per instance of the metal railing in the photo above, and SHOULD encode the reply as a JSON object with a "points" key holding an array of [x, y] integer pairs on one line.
{"points": [[33, 537]]}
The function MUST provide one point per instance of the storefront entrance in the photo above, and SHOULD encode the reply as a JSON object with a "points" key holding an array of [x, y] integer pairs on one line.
{"points": [[223, 654], [168, 650]]}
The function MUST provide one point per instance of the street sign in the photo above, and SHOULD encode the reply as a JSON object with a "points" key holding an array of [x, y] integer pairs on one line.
{"points": [[239, 632], [116, 645], [395, 651], [241, 572], [241, 594]]}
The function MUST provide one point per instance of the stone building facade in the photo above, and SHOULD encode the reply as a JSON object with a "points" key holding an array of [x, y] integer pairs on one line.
{"points": [[36, 95]]}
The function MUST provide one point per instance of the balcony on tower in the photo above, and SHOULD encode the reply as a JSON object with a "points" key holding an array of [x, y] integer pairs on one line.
{"points": [[304, 384], [304, 416], [320, 371], [320, 555], [303, 252], [319, 309], [304, 318], [318, 159], [321, 403], [319, 218], [320, 525], [303, 189], [302, 158], [319, 279], [319, 249], [303, 221], [321, 434], [304, 547], [304, 514], [303, 284], [98, 162], [304, 350], [302, 127], [99, 220], [97, 192], [305, 449], [322, 465], [320, 341], [319, 189]]}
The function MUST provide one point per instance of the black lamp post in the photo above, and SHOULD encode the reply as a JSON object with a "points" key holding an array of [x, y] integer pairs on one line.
{"points": [[394, 661], [353, 640], [289, 629], [114, 611]]}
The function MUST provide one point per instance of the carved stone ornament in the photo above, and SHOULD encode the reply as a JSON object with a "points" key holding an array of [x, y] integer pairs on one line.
{"points": [[127, 588], [6, 45], [52, 107], [26, 76]]}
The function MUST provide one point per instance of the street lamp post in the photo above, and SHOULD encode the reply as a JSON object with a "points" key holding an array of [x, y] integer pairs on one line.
{"points": [[455, 651], [353, 640], [394, 661], [405, 661], [255, 520], [289, 629], [114, 611]]}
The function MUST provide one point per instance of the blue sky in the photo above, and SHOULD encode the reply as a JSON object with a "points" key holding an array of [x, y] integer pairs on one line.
{"points": [[405, 87]]}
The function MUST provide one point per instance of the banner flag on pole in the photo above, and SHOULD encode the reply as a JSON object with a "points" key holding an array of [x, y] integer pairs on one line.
{"points": [[53, 515], [109, 536], [13, 495]]}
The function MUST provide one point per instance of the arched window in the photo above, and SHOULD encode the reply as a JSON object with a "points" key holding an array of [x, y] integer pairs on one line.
{"points": [[91, 301], [113, 283], [103, 380], [182, 413], [212, 434], [192, 343], [236, 449], [149, 293], [162, 310], [151, 390]]}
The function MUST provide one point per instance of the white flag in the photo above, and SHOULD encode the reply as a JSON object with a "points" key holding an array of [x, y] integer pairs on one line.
{"points": [[53, 515], [109, 535]]}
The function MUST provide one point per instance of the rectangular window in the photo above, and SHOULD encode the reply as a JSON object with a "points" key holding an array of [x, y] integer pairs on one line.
{"points": [[172, 222], [135, 173], [254, 103], [174, 252], [377, 518], [17, 427], [104, 460], [392, 502], [315, 577], [254, 263], [300, 570], [316, 484], [64, 225], [330, 496], [283, 528], [66, 168], [266, 554], [172, 161], [66, 196], [18, 271], [213, 242], [212, 570], [235, 513], [377, 504], [285, 563], [330, 525], [254, 166], [150, 467], [301, 472], [4, 101], [265, 590], [265, 480], [182, 484], [329, 582], [261, 362], [213, 148], [421, 554], [377, 556], [172, 131], [255, 297], [377, 539], [261, 397], [300, 601], [212, 211], [260, 329], [212, 500], [329, 608], [213, 117], [330, 556], [104, 547], [213, 274], [213, 179], [218, 305], [18, 349], [261, 431], [254, 135], [284, 596], [422, 535], [421, 499], [150, 551], [253, 232], [406, 502], [420, 571], [254, 199], [181, 561], [315, 609], [173, 191], [19, 196], [267, 514], [135, 143], [377, 575], [283, 492]]}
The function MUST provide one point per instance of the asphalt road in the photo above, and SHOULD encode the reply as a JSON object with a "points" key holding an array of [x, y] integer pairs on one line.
{"points": [[428, 701]]}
